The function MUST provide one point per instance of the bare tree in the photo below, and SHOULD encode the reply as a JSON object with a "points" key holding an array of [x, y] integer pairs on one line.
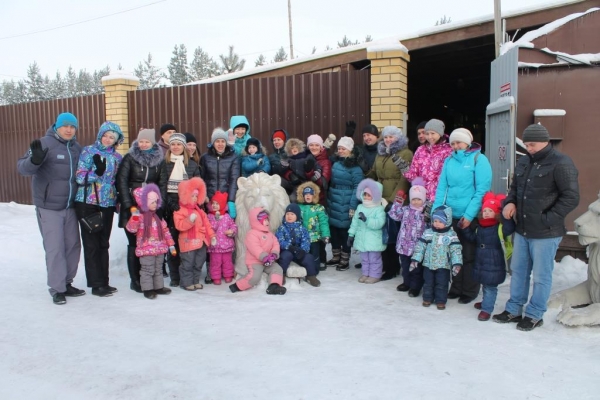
{"points": [[443, 20]]}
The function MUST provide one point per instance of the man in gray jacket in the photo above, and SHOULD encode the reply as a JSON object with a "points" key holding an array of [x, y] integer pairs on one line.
{"points": [[52, 162], [543, 191]]}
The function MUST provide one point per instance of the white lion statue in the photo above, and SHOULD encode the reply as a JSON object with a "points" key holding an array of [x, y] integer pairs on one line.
{"points": [[260, 190], [581, 304]]}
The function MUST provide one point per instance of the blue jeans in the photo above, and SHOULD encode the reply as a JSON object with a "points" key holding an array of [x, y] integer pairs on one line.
{"points": [[489, 298], [435, 288], [537, 256]]}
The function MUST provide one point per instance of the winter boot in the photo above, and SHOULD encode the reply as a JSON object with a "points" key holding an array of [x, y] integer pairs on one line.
{"points": [[234, 288], [335, 260], [441, 306], [413, 292], [344, 264], [162, 290], [112, 289], [72, 291], [505, 317], [208, 280], [276, 288], [323, 267], [58, 298], [363, 279], [313, 281], [358, 266], [483, 316], [529, 324], [403, 287], [102, 291], [372, 280], [149, 294], [133, 266], [477, 305]]}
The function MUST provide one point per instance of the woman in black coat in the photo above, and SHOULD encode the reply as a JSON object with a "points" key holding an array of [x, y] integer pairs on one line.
{"points": [[140, 166]]}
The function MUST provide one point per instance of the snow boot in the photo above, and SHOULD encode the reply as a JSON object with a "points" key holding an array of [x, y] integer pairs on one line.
{"points": [[208, 280], [276, 288], [441, 306], [313, 281], [102, 291], [477, 305], [234, 288], [403, 287], [483, 316], [363, 279], [358, 266], [413, 292], [162, 290], [371, 279], [344, 264], [111, 289], [133, 266], [72, 291], [149, 294], [335, 260], [323, 267]]}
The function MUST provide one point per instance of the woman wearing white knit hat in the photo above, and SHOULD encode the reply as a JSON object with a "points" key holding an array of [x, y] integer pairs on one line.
{"points": [[466, 177]]}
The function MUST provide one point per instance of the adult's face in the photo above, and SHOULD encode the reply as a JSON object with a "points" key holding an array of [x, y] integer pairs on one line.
{"points": [[315, 149], [456, 145], [108, 139], [369, 139], [176, 148], [421, 136], [534, 147], [240, 131], [278, 143], [66, 132], [388, 140], [144, 144], [191, 147], [432, 137], [343, 152], [167, 135], [220, 145]]}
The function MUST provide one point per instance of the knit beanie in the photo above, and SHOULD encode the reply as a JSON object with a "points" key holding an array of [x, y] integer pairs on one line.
{"points": [[435, 125], [66, 119], [279, 135], [294, 208], [177, 137], [221, 198], [370, 129], [461, 135], [440, 215], [253, 142], [190, 138], [314, 139], [536, 133], [417, 190], [147, 134], [421, 125], [167, 127], [391, 131], [493, 202], [346, 142], [218, 133]]}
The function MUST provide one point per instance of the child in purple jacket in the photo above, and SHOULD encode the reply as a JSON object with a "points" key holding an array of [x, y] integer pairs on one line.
{"points": [[221, 254], [412, 227]]}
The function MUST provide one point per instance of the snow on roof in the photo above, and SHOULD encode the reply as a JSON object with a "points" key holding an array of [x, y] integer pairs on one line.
{"points": [[386, 45], [549, 112]]}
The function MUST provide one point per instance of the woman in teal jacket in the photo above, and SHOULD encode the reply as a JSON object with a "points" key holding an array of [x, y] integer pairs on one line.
{"points": [[240, 127], [466, 178]]}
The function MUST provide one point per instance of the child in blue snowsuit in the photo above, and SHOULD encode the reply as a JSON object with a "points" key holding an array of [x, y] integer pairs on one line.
{"points": [[253, 159]]}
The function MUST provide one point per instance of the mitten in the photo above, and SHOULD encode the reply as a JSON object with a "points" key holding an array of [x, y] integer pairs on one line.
{"points": [[292, 248], [300, 254], [135, 213], [37, 153], [350, 241], [213, 241], [100, 164], [193, 217], [351, 213], [400, 196], [309, 164], [231, 208], [413, 266], [350, 128], [362, 217], [329, 141], [316, 176], [401, 163], [260, 161], [173, 251], [173, 205], [325, 240], [284, 161], [455, 270]]}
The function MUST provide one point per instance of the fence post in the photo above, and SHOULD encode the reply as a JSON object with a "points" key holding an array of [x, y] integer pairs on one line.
{"points": [[116, 87], [388, 83]]}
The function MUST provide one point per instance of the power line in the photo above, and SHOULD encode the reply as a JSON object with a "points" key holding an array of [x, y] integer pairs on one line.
{"points": [[81, 22]]}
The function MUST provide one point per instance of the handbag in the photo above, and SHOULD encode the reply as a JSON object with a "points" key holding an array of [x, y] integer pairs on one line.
{"points": [[92, 223]]}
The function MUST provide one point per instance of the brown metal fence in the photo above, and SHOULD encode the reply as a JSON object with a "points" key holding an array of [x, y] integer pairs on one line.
{"points": [[21, 123], [302, 104]]}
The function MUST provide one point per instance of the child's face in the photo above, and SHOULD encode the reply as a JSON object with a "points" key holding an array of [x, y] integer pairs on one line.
{"points": [[437, 224], [278, 143], [152, 201], [266, 222], [252, 149], [367, 196], [488, 213], [294, 150], [194, 198], [416, 202], [308, 198], [290, 217], [216, 206]]}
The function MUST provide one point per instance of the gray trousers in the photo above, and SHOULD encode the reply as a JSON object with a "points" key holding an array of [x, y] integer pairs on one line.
{"points": [[151, 276], [60, 236], [191, 266]]}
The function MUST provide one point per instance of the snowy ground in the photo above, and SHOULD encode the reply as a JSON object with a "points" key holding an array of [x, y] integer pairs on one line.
{"points": [[344, 340]]}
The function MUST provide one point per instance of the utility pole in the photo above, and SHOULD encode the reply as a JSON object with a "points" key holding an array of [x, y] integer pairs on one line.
{"points": [[497, 27], [290, 23]]}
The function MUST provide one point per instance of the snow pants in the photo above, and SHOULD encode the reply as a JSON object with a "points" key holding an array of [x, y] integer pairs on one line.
{"points": [[255, 272], [151, 277], [286, 257], [221, 265], [372, 265], [191, 266]]}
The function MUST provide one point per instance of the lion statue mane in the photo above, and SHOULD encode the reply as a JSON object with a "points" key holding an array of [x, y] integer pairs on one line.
{"points": [[581, 304], [260, 190]]}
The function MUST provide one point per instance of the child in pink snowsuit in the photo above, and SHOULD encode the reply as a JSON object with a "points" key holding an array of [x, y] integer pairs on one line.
{"points": [[221, 254], [262, 249]]}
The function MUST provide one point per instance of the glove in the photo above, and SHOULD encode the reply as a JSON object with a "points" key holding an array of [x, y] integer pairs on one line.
{"points": [[213, 241], [350, 241], [329, 141], [100, 164], [299, 254], [309, 164], [400, 196], [173, 205], [173, 251], [413, 266], [317, 175], [231, 207], [455, 270], [351, 213], [193, 217], [350, 128], [325, 240], [401, 163], [135, 213], [362, 217], [292, 248], [260, 161], [284, 161], [37, 153], [427, 211]]}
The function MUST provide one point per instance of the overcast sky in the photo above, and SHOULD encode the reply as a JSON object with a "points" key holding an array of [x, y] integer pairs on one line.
{"points": [[155, 26]]}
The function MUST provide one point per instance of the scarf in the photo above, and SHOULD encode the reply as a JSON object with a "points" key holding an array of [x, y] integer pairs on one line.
{"points": [[177, 175], [488, 222]]}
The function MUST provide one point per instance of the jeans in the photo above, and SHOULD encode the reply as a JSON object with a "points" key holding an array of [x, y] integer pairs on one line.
{"points": [[489, 298], [537, 256], [435, 288]]}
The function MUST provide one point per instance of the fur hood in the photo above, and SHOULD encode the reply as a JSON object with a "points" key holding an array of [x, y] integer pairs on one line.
{"points": [[141, 196], [314, 187], [348, 162], [146, 158], [374, 187], [186, 188], [293, 142], [395, 147]]}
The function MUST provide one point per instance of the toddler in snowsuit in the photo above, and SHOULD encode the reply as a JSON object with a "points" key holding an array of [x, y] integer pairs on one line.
{"points": [[153, 239], [294, 240], [253, 159], [490, 257], [300, 165], [196, 232], [315, 220], [439, 249], [411, 229], [221, 254], [262, 249], [366, 230]]}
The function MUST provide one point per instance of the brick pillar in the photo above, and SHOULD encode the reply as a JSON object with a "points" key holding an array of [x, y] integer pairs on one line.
{"points": [[388, 84], [116, 87]]}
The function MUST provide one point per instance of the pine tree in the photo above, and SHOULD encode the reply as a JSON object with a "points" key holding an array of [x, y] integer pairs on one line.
{"points": [[368, 39], [8, 94], [346, 42], [178, 67], [260, 61], [203, 66], [97, 76], [84, 83], [281, 55], [35, 84], [148, 74], [314, 50], [232, 62], [443, 20], [70, 83], [57, 87]]}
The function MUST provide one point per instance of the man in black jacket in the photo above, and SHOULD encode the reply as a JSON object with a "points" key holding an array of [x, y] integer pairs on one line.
{"points": [[544, 190]]}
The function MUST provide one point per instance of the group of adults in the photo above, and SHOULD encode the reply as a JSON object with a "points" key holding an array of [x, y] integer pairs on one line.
{"points": [[71, 183]]}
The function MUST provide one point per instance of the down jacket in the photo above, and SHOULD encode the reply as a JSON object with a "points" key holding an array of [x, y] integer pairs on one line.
{"points": [[193, 235], [428, 163], [368, 235], [225, 244], [314, 216], [240, 143], [252, 163], [386, 172], [325, 168], [293, 234], [259, 241], [411, 227], [277, 154], [220, 172], [544, 189], [345, 177]]}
